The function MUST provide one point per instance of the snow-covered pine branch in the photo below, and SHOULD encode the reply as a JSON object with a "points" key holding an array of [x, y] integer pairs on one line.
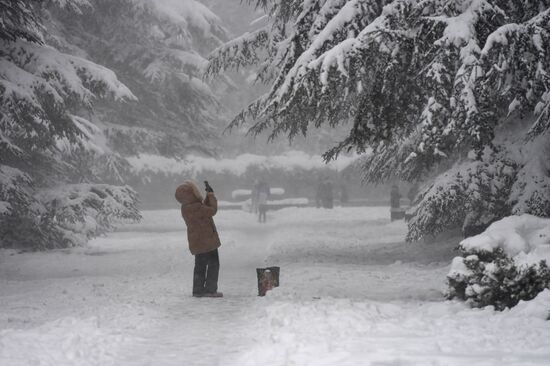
{"points": [[361, 51], [470, 196], [19, 22], [476, 192], [13, 189], [41, 91], [158, 49], [239, 52], [78, 212], [421, 82]]}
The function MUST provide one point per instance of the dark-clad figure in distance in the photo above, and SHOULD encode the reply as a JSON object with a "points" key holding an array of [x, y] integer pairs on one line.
{"points": [[263, 196], [324, 196], [395, 197]]}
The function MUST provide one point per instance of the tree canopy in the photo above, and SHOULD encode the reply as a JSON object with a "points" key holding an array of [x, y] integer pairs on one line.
{"points": [[420, 82], [417, 80], [44, 201]]}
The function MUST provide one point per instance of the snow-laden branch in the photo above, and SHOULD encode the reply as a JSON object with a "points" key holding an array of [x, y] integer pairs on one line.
{"points": [[375, 63], [28, 69], [240, 52], [422, 84]]}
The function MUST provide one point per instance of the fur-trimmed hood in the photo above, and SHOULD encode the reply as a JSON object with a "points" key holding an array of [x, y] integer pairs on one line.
{"points": [[188, 193]]}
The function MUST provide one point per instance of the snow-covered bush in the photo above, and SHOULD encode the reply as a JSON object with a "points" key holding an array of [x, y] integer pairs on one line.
{"points": [[506, 263]]}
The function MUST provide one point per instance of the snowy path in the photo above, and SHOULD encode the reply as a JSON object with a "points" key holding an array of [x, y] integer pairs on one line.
{"points": [[352, 293]]}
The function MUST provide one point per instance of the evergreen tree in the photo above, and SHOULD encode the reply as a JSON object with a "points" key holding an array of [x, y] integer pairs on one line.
{"points": [[44, 202], [157, 48], [423, 85]]}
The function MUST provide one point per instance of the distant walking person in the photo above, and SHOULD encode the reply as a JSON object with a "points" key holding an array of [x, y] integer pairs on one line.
{"points": [[324, 196], [202, 236], [263, 196], [254, 196], [395, 197], [328, 195], [319, 194]]}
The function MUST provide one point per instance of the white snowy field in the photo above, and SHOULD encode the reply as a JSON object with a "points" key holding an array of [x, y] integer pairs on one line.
{"points": [[352, 293]]}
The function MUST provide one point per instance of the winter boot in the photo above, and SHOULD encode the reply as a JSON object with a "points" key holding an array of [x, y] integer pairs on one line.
{"points": [[212, 294]]}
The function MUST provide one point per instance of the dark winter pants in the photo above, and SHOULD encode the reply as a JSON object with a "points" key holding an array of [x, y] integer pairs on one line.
{"points": [[205, 276], [262, 213]]}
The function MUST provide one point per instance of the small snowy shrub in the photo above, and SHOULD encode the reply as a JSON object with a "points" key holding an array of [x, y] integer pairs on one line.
{"points": [[503, 265], [494, 279]]}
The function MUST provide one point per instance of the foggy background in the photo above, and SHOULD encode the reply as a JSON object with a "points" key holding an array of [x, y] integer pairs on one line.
{"points": [[391, 159]]}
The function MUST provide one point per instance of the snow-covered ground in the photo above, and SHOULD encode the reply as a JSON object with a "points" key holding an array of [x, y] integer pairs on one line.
{"points": [[352, 293]]}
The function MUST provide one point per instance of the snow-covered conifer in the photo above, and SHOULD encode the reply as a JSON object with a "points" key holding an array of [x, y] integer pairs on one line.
{"points": [[41, 91], [158, 49], [420, 83]]}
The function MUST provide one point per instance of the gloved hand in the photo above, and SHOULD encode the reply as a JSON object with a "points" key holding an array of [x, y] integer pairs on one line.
{"points": [[207, 187]]}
